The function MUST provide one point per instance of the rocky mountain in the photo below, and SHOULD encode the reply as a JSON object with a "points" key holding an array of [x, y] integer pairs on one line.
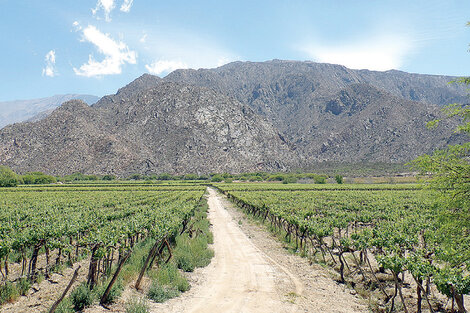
{"points": [[244, 116], [169, 128], [284, 90], [34, 109]]}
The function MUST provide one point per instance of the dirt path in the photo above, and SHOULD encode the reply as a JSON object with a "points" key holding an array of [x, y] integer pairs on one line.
{"points": [[244, 277]]}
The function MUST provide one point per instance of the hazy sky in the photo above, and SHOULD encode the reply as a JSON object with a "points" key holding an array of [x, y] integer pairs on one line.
{"points": [[97, 46]]}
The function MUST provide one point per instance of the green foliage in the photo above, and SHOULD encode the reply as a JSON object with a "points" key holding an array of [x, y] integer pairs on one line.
{"points": [[165, 176], [451, 281], [138, 305], [192, 252], [339, 179], [82, 297], [23, 286], [319, 179], [289, 180], [36, 178], [66, 306], [108, 177], [168, 275], [8, 292], [136, 177], [217, 178], [160, 293], [8, 178], [79, 177], [190, 177], [114, 293]]}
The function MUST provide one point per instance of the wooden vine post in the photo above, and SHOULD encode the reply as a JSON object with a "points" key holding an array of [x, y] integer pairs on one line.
{"points": [[147, 261], [113, 280], [74, 278]]}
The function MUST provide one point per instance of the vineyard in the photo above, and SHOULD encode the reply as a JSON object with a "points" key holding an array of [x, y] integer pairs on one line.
{"points": [[100, 223], [394, 244], [392, 241]]}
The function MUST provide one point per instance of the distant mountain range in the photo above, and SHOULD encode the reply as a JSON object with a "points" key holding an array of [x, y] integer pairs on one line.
{"points": [[24, 110], [244, 116]]}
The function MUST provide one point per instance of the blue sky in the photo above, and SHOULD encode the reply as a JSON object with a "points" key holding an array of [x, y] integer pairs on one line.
{"points": [[97, 46]]}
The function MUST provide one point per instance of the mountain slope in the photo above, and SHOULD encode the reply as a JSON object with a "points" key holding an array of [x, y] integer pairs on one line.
{"points": [[284, 90], [244, 116], [170, 128], [23, 110]]}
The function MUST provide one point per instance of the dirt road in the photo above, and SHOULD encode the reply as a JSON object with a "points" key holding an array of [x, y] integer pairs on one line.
{"points": [[243, 278]]}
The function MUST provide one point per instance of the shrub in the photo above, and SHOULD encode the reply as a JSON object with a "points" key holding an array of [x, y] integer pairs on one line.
{"points": [[217, 178], [168, 275], [23, 286], [114, 293], [276, 177], [165, 176], [136, 177], [289, 180], [318, 179], [65, 306], [38, 178], [8, 293], [190, 177], [184, 261], [339, 179], [8, 178], [82, 297], [108, 177], [138, 305], [160, 294]]}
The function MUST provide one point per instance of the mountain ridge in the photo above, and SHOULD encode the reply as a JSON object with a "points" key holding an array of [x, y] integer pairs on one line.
{"points": [[243, 116], [17, 111]]}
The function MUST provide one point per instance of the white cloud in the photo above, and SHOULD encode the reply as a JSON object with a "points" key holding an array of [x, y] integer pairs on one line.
{"points": [[107, 6], [77, 26], [165, 66], [223, 60], [49, 70], [126, 5], [143, 39], [116, 54], [172, 49], [381, 53]]}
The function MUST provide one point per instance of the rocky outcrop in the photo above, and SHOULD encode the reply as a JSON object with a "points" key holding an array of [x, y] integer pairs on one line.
{"points": [[170, 128]]}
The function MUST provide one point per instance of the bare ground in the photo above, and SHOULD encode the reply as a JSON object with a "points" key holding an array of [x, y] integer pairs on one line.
{"points": [[42, 295]]}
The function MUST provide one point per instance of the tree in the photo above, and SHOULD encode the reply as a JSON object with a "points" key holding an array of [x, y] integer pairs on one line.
{"points": [[339, 179], [449, 172], [8, 178]]}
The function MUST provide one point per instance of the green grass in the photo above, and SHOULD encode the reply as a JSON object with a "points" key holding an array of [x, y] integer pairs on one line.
{"points": [[8, 293], [138, 305], [191, 250]]}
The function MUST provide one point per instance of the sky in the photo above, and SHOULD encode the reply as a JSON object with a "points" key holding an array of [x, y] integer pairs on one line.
{"points": [[97, 46]]}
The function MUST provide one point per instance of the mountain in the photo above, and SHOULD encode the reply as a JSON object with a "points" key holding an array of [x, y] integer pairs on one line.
{"points": [[244, 116], [23, 110], [169, 128], [283, 91]]}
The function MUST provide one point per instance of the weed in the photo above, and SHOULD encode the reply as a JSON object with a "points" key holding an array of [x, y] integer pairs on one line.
{"points": [[138, 305], [23, 286], [82, 297], [8, 293], [168, 275], [160, 294], [66, 306]]}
